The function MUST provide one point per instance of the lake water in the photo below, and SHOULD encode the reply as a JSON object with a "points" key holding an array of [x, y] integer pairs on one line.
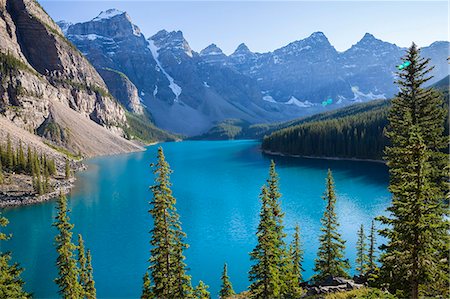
{"points": [[217, 184]]}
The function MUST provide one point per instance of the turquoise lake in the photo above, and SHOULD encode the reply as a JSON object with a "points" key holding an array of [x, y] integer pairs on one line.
{"points": [[216, 184]]}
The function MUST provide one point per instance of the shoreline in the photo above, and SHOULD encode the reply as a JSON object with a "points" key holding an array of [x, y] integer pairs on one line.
{"points": [[9, 200], [322, 157]]}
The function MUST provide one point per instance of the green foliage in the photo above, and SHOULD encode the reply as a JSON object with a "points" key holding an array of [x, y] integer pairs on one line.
{"points": [[226, 289], [201, 291], [361, 255], [293, 276], [11, 285], [89, 289], [330, 258], [270, 271], [67, 280], [351, 136], [415, 261], [265, 274], [67, 172], [141, 128], [167, 266], [146, 287], [364, 293], [9, 64]]}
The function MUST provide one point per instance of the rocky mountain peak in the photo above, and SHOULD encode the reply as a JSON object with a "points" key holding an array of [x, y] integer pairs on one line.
{"points": [[242, 49], [173, 41], [109, 14], [212, 49]]}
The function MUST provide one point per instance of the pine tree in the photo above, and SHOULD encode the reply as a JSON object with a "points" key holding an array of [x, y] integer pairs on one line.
{"points": [[29, 169], [22, 163], [11, 285], [67, 169], [67, 280], [416, 256], [167, 266], [82, 263], [201, 291], [281, 253], [265, 273], [294, 277], [330, 257], [371, 259], [9, 154], [89, 289], [226, 289], [146, 287], [361, 256]]}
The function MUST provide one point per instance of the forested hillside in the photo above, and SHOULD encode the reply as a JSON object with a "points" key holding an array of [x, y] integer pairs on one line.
{"points": [[352, 132], [351, 136]]}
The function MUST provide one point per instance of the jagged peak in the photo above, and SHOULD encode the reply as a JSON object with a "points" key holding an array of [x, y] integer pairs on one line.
{"points": [[212, 49], [242, 49], [172, 40], [109, 14], [317, 36]]}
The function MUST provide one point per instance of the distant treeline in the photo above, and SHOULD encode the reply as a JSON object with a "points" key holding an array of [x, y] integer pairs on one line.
{"points": [[349, 133], [354, 136]]}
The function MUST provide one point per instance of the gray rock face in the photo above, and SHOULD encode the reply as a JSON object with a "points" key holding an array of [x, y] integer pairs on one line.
{"points": [[44, 70], [123, 90], [188, 92]]}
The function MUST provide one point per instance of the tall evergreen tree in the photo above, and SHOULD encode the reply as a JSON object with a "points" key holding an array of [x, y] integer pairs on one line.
{"points": [[361, 255], [265, 273], [22, 163], [67, 169], [330, 257], [29, 161], [416, 257], [9, 154], [82, 262], [146, 287], [201, 291], [226, 289], [371, 259], [11, 285], [67, 280], [280, 246], [167, 266], [294, 268], [89, 289]]}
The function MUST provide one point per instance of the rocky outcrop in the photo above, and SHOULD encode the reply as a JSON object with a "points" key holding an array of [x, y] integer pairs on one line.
{"points": [[42, 74], [331, 285], [123, 90]]}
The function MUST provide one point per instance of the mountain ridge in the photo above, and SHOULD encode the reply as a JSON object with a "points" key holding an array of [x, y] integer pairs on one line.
{"points": [[183, 86]]}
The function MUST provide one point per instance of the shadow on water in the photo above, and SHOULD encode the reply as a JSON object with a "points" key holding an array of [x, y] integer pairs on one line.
{"points": [[356, 169]]}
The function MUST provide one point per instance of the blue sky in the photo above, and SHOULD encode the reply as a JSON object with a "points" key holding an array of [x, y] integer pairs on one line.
{"points": [[267, 25]]}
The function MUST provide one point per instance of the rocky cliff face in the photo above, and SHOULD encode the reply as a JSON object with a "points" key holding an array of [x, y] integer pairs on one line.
{"points": [[41, 73]]}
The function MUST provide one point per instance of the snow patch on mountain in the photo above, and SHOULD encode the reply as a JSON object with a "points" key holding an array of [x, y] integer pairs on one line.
{"points": [[269, 99], [176, 89], [108, 14], [359, 96], [294, 101]]}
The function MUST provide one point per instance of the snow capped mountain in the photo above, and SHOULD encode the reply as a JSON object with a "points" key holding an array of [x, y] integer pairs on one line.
{"points": [[213, 54], [187, 92], [108, 14]]}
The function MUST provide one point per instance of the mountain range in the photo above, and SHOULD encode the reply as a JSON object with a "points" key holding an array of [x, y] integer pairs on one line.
{"points": [[188, 92]]}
